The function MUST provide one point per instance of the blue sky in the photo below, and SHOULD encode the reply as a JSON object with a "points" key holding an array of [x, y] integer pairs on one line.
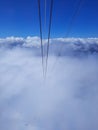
{"points": [[20, 18]]}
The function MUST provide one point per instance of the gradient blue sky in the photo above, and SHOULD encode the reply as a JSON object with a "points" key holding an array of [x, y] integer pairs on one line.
{"points": [[20, 18]]}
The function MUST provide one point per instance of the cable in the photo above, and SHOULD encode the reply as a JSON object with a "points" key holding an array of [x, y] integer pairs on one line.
{"points": [[45, 14], [45, 24], [40, 24], [75, 15], [49, 32]]}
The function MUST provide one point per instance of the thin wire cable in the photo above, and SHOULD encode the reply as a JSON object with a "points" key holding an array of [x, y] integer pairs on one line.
{"points": [[40, 24], [45, 13], [45, 21], [49, 32], [75, 15]]}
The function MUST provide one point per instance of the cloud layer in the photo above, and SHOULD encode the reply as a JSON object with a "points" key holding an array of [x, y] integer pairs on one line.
{"points": [[67, 100], [64, 46]]}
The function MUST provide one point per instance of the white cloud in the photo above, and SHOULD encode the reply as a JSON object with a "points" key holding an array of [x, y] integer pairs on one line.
{"points": [[66, 101], [65, 46]]}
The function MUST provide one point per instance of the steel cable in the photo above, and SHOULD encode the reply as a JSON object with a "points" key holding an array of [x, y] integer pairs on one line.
{"points": [[40, 24], [49, 32], [75, 15]]}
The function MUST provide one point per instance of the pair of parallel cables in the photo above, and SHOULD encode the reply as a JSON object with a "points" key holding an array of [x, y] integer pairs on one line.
{"points": [[41, 35]]}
